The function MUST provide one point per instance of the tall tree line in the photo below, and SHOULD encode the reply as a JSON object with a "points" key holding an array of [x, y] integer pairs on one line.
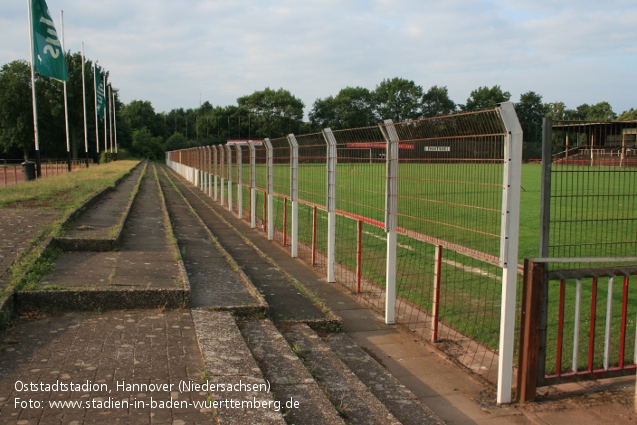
{"points": [[144, 132], [16, 112]]}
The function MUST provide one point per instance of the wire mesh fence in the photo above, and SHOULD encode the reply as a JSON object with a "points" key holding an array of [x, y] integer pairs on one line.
{"points": [[591, 208], [452, 189]]}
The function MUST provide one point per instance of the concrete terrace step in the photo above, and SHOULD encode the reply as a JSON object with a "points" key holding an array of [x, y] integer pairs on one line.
{"points": [[98, 224], [228, 361], [357, 404], [215, 279], [401, 402], [289, 377], [144, 273], [285, 300]]}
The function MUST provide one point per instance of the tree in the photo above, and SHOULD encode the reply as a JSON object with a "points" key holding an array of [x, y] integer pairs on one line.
{"points": [[601, 111], [141, 114], [398, 99], [558, 111], [275, 112], [176, 141], [531, 111], [146, 145], [630, 115], [75, 104], [486, 98], [352, 107], [436, 102], [16, 110]]}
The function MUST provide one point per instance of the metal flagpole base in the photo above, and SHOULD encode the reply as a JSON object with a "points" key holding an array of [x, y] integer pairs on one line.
{"points": [[38, 164]]}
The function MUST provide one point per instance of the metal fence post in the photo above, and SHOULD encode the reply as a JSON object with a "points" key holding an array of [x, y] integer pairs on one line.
{"points": [[253, 185], [215, 173], [509, 239], [436, 293], [209, 165], [545, 209], [222, 174], [270, 201], [200, 167], [239, 182], [391, 220], [294, 193], [229, 159], [530, 330], [331, 204]]}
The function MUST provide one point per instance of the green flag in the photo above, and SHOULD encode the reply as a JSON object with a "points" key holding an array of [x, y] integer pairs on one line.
{"points": [[48, 57], [100, 97]]}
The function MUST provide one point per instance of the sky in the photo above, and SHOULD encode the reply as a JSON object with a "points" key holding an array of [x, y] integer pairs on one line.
{"points": [[178, 54]]}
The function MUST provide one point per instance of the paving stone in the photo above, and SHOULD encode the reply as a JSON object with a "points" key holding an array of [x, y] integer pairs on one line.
{"points": [[80, 347]]}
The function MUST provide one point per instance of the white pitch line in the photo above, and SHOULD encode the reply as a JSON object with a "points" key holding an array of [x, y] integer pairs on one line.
{"points": [[474, 270]]}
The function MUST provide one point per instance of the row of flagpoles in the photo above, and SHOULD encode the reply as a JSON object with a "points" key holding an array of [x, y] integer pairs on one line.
{"points": [[47, 58]]}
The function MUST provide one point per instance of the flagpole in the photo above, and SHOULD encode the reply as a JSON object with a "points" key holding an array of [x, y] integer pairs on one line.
{"points": [[84, 102], [66, 106], [35, 109], [105, 132], [115, 122], [110, 117], [97, 131]]}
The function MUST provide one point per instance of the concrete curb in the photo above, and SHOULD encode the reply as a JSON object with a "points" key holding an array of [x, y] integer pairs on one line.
{"points": [[171, 236], [99, 299], [100, 244]]}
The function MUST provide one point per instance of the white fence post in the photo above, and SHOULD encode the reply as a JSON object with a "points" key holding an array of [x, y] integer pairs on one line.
{"points": [[229, 158], [270, 168], [200, 162], [239, 182], [510, 229], [331, 203], [209, 171], [253, 185], [391, 220], [222, 174], [294, 193], [215, 173]]}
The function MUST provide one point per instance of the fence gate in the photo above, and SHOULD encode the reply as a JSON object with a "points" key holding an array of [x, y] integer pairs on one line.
{"points": [[579, 307]]}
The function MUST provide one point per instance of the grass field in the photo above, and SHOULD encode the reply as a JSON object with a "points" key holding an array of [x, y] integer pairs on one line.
{"points": [[460, 204]]}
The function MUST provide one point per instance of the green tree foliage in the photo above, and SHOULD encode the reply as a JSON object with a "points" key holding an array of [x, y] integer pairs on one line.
{"points": [[141, 114], [16, 116], [176, 141], [531, 111], [437, 102], [398, 99], [146, 145], [76, 104], [352, 107], [274, 113], [601, 111], [630, 115], [559, 112], [16, 113], [486, 98]]}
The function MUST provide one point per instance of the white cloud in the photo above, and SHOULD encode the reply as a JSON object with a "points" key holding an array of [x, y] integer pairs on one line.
{"points": [[172, 52]]}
